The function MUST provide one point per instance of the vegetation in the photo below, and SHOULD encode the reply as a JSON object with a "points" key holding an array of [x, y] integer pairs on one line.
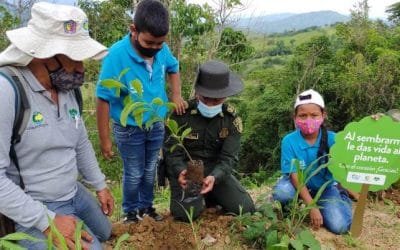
{"points": [[354, 65]]}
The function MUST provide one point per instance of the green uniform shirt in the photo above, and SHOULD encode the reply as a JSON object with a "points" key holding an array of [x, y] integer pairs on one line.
{"points": [[215, 141]]}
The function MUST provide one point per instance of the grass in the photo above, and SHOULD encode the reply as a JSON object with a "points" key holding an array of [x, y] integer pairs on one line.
{"points": [[264, 43]]}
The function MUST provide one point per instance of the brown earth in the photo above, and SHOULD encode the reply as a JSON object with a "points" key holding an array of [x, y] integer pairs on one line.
{"points": [[381, 229], [212, 229]]}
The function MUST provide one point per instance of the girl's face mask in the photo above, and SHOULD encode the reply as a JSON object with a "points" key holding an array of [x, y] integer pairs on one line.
{"points": [[309, 126]]}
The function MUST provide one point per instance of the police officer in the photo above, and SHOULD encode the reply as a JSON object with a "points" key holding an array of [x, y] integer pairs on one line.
{"points": [[214, 139]]}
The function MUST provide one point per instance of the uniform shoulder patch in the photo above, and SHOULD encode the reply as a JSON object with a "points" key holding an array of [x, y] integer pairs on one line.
{"points": [[238, 124], [228, 108]]}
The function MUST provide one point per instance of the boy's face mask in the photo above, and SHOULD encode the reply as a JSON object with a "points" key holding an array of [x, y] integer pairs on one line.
{"points": [[309, 126], [147, 52]]}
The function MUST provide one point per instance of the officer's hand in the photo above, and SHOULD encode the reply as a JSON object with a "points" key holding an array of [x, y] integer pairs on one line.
{"points": [[182, 179], [66, 225], [106, 148], [208, 184], [106, 201]]}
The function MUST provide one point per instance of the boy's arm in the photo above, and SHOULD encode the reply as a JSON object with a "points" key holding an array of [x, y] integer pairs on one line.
{"points": [[176, 95], [103, 122]]}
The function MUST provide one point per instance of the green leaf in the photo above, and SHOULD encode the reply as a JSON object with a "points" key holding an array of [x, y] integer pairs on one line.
{"points": [[271, 238], [185, 133], [170, 105], [285, 239], [254, 231], [138, 116], [137, 86], [173, 148], [123, 72], [60, 237], [308, 239], [127, 100], [172, 125], [157, 101], [152, 121], [320, 191], [78, 234], [19, 236], [121, 239], [111, 83], [296, 244], [128, 110], [10, 245]]}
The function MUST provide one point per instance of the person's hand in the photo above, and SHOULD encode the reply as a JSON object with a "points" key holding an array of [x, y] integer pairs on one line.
{"points": [[208, 184], [377, 116], [66, 225], [106, 201], [106, 148], [182, 179], [316, 218], [180, 104]]}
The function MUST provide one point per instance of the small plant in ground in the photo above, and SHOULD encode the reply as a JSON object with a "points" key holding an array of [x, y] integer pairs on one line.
{"points": [[9, 241], [275, 227]]}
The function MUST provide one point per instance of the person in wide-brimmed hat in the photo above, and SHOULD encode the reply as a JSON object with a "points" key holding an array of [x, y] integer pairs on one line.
{"points": [[46, 58], [214, 139]]}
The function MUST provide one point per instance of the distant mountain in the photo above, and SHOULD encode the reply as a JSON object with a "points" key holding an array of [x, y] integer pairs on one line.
{"points": [[279, 23]]}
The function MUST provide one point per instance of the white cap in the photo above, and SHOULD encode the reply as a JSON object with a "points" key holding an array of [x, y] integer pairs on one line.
{"points": [[309, 96]]}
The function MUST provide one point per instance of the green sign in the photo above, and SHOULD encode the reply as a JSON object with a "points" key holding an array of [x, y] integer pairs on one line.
{"points": [[367, 152]]}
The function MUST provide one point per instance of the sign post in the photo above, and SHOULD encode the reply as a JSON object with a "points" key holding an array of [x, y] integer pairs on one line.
{"points": [[366, 157]]}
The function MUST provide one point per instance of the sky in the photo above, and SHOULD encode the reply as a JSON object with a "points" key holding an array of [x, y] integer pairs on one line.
{"points": [[266, 7]]}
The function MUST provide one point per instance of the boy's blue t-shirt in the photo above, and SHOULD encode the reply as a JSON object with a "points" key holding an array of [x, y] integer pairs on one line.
{"points": [[294, 146], [122, 56]]}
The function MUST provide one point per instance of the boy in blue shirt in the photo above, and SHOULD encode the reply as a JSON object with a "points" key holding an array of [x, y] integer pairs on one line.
{"points": [[309, 142], [144, 52]]}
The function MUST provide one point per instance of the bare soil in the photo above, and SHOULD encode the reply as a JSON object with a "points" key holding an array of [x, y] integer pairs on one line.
{"points": [[211, 230], [381, 229]]}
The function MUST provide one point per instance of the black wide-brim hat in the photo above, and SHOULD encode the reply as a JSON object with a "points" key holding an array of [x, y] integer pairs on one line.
{"points": [[215, 80]]}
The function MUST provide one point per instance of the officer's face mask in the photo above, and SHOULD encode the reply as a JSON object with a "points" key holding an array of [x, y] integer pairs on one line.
{"points": [[65, 81], [209, 111]]}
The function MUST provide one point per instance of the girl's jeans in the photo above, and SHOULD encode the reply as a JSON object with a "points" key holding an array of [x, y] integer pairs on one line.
{"points": [[335, 205]]}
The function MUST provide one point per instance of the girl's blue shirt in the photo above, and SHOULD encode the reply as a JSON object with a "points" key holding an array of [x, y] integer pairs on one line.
{"points": [[294, 146]]}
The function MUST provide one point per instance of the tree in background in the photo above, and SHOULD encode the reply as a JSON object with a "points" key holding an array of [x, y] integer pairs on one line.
{"points": [[357, 71], [234, 46], [394, 12], [7, 22]]}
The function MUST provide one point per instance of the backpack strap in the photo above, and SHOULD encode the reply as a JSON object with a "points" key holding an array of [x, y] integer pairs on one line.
{"points": [[22, 112], [79, 99]]}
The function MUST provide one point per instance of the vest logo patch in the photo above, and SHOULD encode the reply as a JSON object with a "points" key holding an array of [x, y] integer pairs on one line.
{"points": [[37, 121]]}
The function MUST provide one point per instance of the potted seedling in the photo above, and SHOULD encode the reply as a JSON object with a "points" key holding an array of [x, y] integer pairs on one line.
{"points": [[195, 168]]}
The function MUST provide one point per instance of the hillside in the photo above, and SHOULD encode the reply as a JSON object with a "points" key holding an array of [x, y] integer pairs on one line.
{"points": [[279, 23]]}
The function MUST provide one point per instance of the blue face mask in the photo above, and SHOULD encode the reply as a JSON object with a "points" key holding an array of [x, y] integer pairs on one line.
{"points": [[209, 111]]}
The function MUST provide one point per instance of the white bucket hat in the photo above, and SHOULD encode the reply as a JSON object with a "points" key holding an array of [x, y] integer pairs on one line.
{"points": [[57, 29], [309, 96]]}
